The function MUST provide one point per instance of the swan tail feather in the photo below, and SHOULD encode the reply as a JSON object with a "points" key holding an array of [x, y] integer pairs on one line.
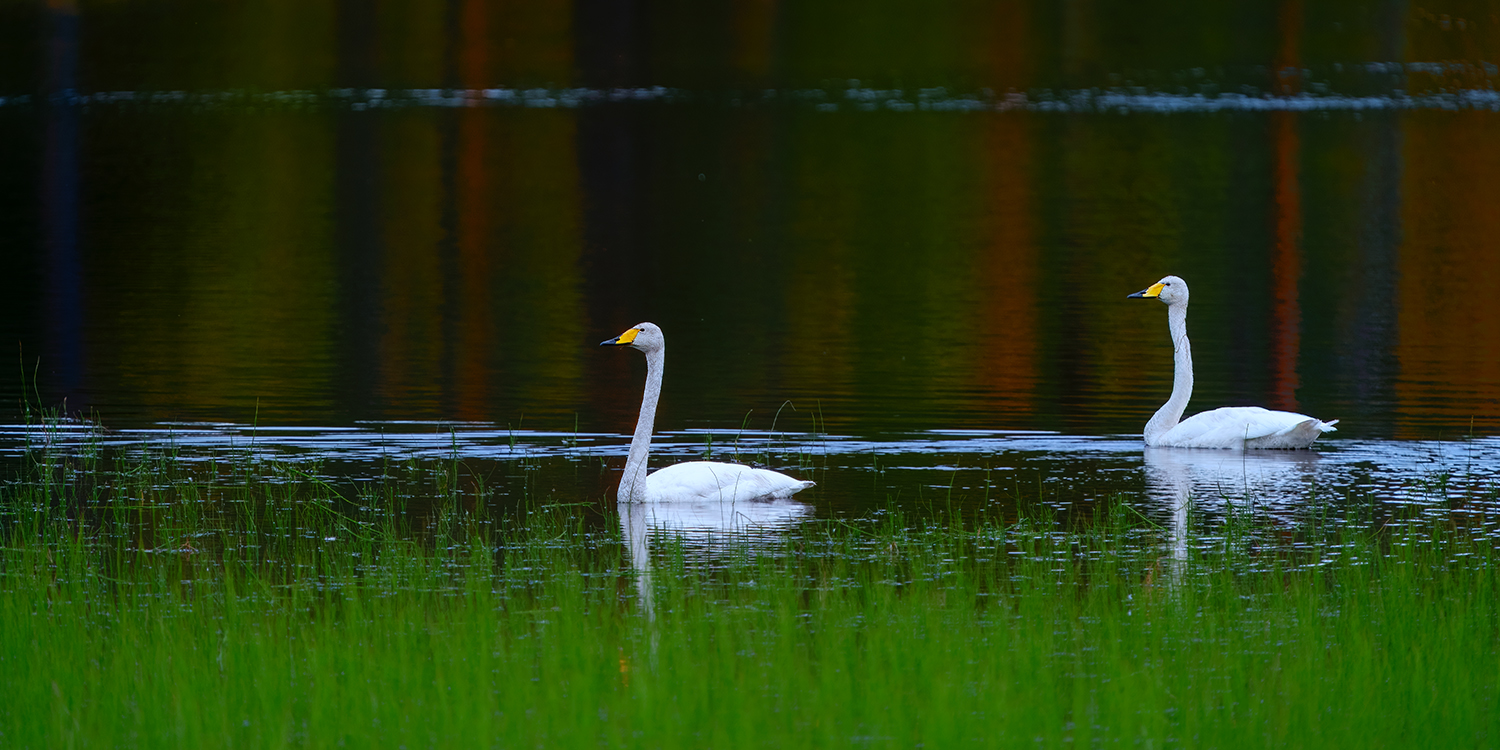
{"points": [[1307, 431], [794, 488]]}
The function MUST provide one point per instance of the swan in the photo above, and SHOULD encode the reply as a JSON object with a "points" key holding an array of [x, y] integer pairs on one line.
{"points": [[1233, 427], [692, 481]]}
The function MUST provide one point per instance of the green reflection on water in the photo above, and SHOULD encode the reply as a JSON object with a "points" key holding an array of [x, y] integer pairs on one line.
{"points": [[175, 45]]}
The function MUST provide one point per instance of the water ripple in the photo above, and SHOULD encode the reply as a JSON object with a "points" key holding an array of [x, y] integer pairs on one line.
{"points": [[1360, 87]]}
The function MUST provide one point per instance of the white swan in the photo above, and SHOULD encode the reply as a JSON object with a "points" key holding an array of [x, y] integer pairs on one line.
{"points": [[696, 481], [1230, 427]]}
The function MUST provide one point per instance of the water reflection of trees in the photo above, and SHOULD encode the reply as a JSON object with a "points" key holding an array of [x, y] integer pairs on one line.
{"points": [[282, 44], [450, 263]]}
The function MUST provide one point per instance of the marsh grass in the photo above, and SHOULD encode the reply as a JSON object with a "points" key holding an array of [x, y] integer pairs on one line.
{"points": [[147, 602]]}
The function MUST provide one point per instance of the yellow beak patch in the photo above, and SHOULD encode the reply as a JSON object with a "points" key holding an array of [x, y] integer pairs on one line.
{"points": [[630, 335], [1154, 290]]}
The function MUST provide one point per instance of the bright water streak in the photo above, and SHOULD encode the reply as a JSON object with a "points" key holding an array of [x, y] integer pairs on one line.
{"points": [[859, 478]]}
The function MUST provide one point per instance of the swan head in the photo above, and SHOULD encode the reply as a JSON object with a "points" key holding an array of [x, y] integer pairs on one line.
{"points": [[1171, 290], [643, 336]]}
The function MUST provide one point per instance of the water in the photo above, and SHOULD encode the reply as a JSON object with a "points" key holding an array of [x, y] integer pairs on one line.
{"points": [[890, 255], [972, 472], [890, 271]]}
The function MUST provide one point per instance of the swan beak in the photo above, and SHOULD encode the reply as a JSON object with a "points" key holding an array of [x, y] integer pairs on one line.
{"points": [[1150, 292], [622, 339]]}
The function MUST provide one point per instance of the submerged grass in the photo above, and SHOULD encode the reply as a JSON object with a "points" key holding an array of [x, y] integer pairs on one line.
{"points": [[254, 605]]}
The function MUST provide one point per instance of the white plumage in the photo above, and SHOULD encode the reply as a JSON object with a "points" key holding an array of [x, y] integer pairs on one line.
{"points": [[693, 481], [716, 480], [1234, 427]]}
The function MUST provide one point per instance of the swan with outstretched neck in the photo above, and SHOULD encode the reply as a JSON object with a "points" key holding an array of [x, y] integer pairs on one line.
{"points": [[694, 481], [1234, 427]]}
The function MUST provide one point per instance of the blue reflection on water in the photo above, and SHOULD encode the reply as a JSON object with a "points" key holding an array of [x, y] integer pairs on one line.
{"points": [[1317, 97]]}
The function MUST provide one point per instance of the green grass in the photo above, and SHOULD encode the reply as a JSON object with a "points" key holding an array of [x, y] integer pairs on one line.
{"points": [[145, 602]]}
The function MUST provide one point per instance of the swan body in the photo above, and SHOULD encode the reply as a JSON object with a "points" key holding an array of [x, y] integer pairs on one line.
{"points": [[692, 481], [1239, 427], [1234, 427]]}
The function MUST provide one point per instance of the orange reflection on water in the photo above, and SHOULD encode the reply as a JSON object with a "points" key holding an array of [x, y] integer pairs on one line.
{"points": [[1286, 263], [474, 42], [754, 31], [1008, 44], [1286, 254], [1448, 344], [1008, 266], [1007, 365], [514, 44], [480, 276]]}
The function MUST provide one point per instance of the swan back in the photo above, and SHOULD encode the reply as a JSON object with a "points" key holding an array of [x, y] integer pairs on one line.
{"points": [[1244, 427], [716, 481]]}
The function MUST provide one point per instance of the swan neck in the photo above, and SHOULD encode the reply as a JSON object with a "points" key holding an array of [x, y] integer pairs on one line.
{"points": [[1170, 413], [633, 482]]}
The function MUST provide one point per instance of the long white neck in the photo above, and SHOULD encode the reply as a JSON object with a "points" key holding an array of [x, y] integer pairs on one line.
{"points": [[1182, 377], [633, 483]]}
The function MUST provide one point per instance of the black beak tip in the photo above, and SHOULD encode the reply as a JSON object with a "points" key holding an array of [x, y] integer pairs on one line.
{"points": [[606, 342]]}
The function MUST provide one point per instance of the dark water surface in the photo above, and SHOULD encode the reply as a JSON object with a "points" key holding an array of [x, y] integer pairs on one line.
{"points": [[883, 270], [891, 255], [976, 473]]}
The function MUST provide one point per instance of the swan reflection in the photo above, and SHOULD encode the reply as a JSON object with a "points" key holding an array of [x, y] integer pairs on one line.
{"points": [[1269, 480], [704, 522]]}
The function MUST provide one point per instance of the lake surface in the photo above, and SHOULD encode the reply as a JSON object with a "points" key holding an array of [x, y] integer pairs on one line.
{"points": [[888, 270], [900, 273], [1006, 476]]}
